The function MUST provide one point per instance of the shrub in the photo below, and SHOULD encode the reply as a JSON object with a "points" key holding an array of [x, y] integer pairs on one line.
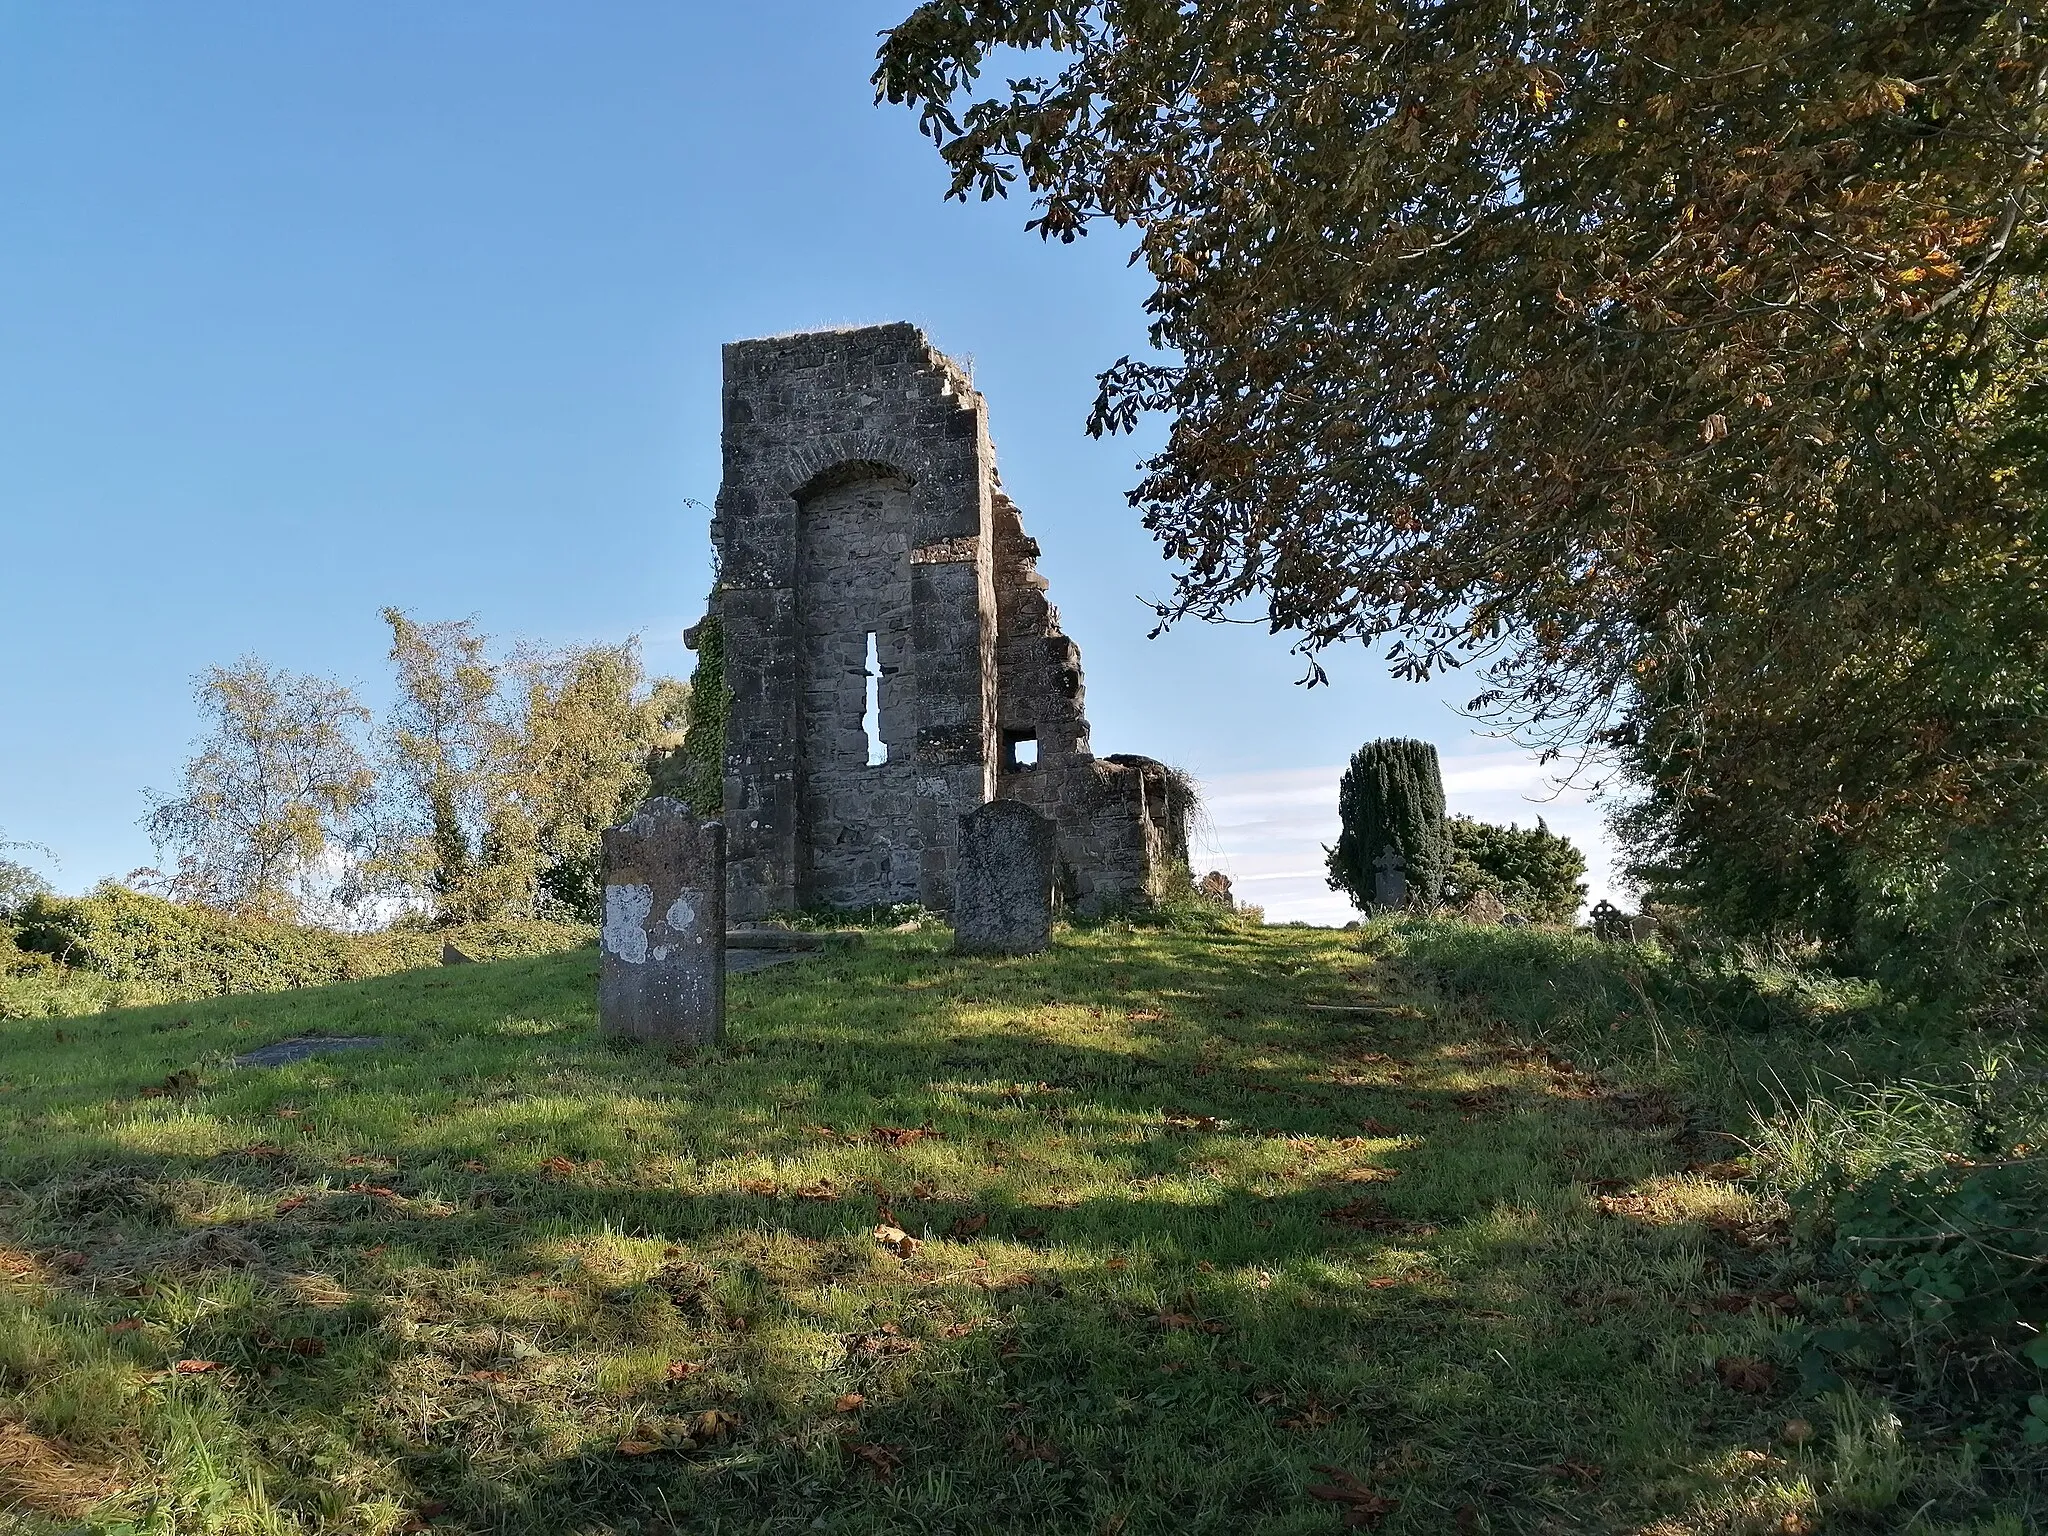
{"points": [[1534, 872], [1392, 796], [163, 951]]}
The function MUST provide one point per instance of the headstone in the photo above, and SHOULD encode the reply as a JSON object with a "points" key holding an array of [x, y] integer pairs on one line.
{"points": [[1609, 921], [1642, 928], [1002, 880], [1215, 886], [663, 975], [1390, 879], [1484, 907]]}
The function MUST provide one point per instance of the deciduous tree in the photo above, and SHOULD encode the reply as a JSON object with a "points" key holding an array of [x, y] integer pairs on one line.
{"points": [[272, 791], [505, 771], [1679, 365]]}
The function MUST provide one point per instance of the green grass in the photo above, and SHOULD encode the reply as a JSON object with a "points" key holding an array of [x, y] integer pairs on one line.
{"points": [[1183, 1242]]}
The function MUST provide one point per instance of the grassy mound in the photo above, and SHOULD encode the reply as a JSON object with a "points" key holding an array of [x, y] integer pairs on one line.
{"points": [[1194, 1232]]}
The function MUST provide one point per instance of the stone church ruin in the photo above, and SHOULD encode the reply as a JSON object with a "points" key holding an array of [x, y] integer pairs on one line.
{"points": [[891, 654]]}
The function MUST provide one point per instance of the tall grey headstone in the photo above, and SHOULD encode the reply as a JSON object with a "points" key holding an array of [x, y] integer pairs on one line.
{"points": [[1002, 880], [1390, 879], [663, 976]]}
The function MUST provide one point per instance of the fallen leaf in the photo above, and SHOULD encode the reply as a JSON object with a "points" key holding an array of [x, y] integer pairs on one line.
{"points": [[1362, 1507], [881, 1460], [472, 1165], [898, 1240], [1118, 1264], [1746, 1373], [284, 1207], [126, 1325], [846, 1402], [1183, 1320], [957, 1330], [196, 1367], [766, 1187], [1023, 1448], [375, 1191], [560, 1167], [1584, 1473], [967, 1226], [488, 1376], [683, 1370], [1185, 1122], [1313, 1415], [631, 1447], [822, 1190], [904, 1135], [878, 1344], [715, 1424]]}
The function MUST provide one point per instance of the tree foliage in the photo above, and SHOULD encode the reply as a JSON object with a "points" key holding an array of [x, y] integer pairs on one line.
{"points": [[1680, 365], [1391, 797], [449, 766], [18, 881], [502, 774], [1534, 871], [589, 723], [273, 789]]}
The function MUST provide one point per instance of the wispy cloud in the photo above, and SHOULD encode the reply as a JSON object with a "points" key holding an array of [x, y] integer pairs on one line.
{"points": [[1267, 830]]}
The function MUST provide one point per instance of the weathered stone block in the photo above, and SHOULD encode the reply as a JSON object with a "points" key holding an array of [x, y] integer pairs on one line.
{"points": [[663, 971], [1003, 880]]}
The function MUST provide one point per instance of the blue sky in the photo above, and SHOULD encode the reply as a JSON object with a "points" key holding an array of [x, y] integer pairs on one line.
{"points": [[305, 310]]}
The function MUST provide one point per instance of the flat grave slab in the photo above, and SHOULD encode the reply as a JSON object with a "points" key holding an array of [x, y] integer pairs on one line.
{"points": [[284, 1052], [740, 961]]}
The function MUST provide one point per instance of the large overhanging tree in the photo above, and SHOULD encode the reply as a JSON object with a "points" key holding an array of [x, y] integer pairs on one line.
{"points": [[1675, 361]]}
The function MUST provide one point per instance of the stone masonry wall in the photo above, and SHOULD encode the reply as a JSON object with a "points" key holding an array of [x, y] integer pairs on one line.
{"points": [[861, 499]]}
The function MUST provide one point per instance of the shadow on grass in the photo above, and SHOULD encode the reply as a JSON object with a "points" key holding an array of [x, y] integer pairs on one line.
{"points": [[1165, 1318]]}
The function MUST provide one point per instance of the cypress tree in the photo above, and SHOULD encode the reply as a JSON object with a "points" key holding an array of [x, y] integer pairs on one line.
{"points": [[1392, 796]]}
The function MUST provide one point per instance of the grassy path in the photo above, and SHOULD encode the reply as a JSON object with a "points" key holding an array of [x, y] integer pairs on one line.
{"points": [[1159, 1233]]}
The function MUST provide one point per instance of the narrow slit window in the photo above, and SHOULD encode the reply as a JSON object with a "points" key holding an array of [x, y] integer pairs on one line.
{"points": [[1020, 749], [871, 717]]}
